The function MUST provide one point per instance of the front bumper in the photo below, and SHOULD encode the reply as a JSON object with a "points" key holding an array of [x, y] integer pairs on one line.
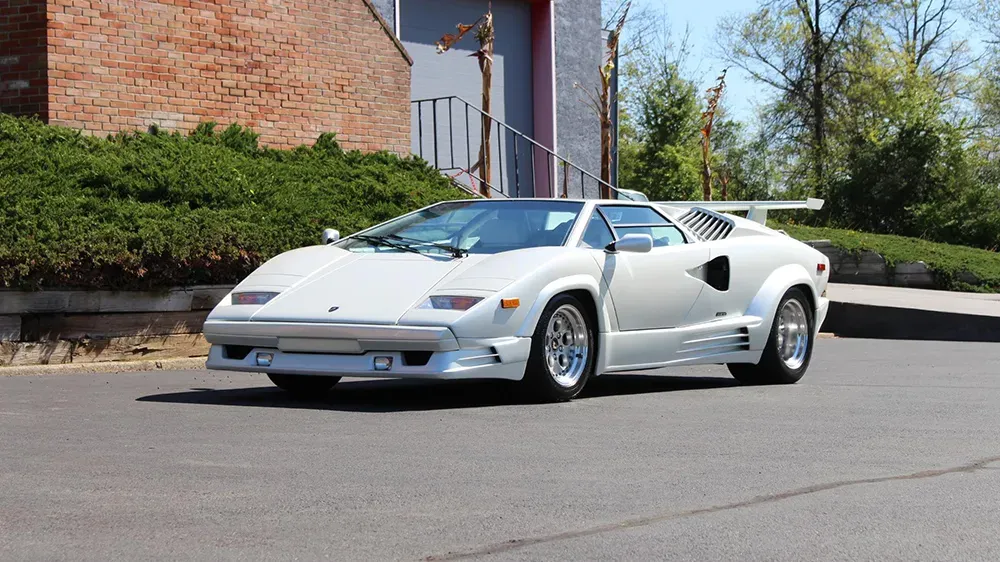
{"points": [[313, 337], [351, 351], [822, 308]]}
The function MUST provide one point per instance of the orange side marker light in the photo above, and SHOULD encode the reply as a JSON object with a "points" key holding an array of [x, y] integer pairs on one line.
{"points": [[510, 303]]}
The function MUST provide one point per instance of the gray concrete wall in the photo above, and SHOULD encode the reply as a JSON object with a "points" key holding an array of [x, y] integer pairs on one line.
{"points": [[579, 46], [455, 73], [388, 9]]}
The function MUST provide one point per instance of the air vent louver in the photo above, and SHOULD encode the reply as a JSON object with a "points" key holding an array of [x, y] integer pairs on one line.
{"points": [[716, 343], [707, 225]]}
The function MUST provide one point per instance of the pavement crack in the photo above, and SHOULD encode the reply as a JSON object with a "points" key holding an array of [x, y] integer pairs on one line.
{"points": [[644, 521]]}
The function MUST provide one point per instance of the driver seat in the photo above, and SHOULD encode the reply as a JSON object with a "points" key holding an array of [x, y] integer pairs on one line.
{"points": [[508, 230]]}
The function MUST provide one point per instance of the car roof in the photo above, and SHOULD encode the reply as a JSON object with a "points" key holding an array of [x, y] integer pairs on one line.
{"points": [[568, 200]]}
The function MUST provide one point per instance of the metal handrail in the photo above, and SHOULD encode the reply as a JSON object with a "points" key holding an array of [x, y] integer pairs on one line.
{"points": [[552, 159]]}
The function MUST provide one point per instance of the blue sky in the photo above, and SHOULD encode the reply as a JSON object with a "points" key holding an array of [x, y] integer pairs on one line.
{"points": [[702, 18]]}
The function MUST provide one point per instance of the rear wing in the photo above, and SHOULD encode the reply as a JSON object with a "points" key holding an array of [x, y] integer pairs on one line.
{"points": [[756, 210]]}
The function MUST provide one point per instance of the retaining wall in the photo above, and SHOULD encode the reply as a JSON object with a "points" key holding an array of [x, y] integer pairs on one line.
{"points": [[51, 327], [870, 268]]}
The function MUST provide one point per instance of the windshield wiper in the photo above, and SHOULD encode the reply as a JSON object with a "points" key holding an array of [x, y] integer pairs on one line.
{"points": [[455, 251], [383, 240]]}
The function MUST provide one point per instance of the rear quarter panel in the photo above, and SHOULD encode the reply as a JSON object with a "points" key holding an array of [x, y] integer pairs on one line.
{"points": [[753, 259], [762, 269]]}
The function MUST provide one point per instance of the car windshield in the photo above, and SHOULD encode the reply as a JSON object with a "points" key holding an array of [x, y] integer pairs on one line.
{"points": [[472, 227]]}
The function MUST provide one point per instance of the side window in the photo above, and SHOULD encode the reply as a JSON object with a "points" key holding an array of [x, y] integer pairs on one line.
{"points": [[631, 214], [666, 235], [640, 219], [597, 235]]}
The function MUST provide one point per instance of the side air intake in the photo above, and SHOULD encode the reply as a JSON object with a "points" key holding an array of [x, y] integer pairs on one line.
{"points": [[716, 343], [707, 225]]}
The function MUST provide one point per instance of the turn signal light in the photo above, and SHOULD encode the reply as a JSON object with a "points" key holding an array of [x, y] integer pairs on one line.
{"points": [[510, 303]]}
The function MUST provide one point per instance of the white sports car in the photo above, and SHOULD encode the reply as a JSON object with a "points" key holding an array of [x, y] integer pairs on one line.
{"points": [[549, 292]]}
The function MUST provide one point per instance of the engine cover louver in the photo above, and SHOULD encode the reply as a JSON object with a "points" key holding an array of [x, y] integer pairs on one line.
{"points": [[707, 225]]}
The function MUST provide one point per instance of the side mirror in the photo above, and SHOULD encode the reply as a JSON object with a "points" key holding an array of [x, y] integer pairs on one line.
{"points": [[330, 236], [639, 243]]}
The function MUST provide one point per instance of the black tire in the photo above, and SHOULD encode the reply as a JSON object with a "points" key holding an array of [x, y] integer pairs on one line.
{"points": [[539, 382], [304, 386], [772, 369]]}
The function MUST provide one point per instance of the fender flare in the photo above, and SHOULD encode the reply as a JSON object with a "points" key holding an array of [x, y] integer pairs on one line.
{"points": [[765, 303], [562, 285]]}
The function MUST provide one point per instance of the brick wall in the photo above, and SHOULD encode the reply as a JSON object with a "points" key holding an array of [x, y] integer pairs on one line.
{"points": [[290, 69], [22, 57]]}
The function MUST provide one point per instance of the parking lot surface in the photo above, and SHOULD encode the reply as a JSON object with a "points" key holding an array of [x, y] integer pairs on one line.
{"points": [[886, 450]]}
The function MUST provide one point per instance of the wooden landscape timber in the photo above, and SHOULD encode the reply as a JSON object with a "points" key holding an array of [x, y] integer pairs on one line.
{"points": [[67, 326]]}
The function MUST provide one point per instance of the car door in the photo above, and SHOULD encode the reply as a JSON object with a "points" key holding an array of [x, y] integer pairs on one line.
{"points": [[652, 290]]}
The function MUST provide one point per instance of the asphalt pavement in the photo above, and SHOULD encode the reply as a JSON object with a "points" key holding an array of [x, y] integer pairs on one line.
{"points": [[886, 450]]}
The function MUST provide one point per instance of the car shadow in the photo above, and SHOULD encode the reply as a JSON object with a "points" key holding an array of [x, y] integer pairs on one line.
{"points": [[397, 395]]}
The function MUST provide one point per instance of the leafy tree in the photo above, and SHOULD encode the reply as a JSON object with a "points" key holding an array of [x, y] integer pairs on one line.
{"points": [[910, 172], [797, 47], [987, 98], [659, 154], [987, 13], [745, 161], [921, 32], [906, 159]]}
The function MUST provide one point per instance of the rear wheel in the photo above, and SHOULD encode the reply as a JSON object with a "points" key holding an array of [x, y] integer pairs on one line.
{"points": [[304, 386], [789, 346], [562, 351]]}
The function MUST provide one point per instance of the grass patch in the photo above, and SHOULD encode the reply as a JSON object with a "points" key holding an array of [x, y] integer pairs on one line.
{"points": [[946, 260]]}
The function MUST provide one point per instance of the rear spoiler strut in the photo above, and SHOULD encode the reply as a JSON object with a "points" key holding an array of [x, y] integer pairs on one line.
{"points": [[756, 210]]}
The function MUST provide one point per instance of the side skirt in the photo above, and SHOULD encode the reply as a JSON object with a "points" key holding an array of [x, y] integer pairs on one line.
{"points": [[718, 341]]}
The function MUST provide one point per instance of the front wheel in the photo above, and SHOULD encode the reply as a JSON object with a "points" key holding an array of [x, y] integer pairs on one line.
{"points": [[304, 386], [789, 346], [562, 351]]}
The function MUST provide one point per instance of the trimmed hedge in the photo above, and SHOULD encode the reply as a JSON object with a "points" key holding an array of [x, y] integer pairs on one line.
{"points": [[155, 210], [947, 261]]}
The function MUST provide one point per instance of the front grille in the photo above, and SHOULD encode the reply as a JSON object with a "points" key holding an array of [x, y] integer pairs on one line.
{"points": [[416, 358], [237, 352]]}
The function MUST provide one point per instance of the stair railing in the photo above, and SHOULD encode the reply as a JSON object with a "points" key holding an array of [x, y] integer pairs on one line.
{"points": [[531, 167]]}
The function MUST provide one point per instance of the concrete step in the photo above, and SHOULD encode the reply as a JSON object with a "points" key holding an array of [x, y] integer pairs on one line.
{"points": [[865, 311]]}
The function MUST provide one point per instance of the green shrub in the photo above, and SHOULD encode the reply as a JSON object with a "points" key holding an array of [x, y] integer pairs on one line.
{"points": [[947, 261], [153, 210]]}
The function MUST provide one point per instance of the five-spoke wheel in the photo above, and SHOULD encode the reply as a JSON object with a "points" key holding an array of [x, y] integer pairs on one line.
{"points": [[562, 350], [567, 345], [789, 346]]}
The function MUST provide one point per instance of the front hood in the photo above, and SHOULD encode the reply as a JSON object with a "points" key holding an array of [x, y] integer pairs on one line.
{"points": [[370, 289]]}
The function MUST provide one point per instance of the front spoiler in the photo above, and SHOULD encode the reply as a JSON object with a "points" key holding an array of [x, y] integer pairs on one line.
{"points": [[502, 358]]}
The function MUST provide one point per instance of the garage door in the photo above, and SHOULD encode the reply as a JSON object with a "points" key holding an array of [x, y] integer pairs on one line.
{"points": [[455, 73]]}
